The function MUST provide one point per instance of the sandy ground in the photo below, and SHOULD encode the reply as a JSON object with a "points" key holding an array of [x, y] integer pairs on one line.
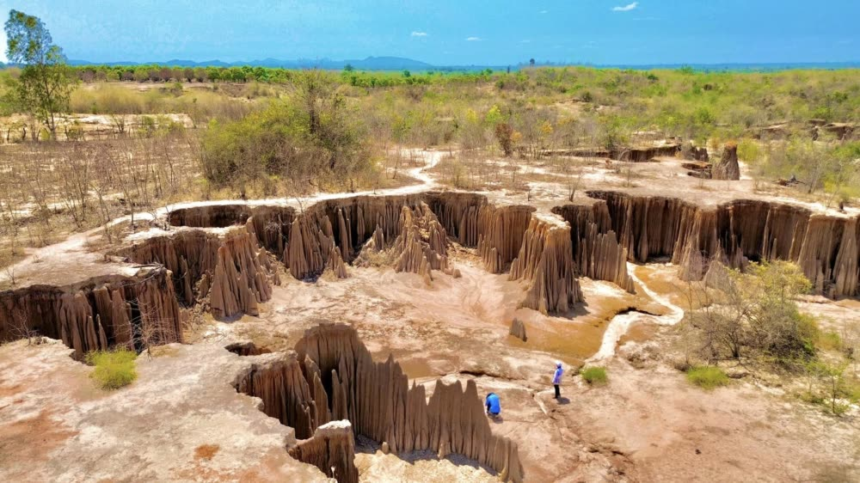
{"points": [[647, 424], [56, 426]]}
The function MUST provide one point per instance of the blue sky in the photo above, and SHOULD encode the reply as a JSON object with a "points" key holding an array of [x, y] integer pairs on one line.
{"points": [[455, 32]]}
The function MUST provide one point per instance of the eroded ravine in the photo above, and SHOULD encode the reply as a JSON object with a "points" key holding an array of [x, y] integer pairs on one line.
{"points": [[228, 257], [621, 323], [332, 377]]}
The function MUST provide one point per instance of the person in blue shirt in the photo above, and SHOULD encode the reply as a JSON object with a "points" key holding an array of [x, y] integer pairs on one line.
{"points": [[556, 379], [494, 405]]}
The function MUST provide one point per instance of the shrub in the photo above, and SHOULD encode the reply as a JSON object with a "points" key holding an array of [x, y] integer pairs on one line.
{"points": [[758, 315], [505, 137], [830, 341], [113, 370], [595, 375], [309, 138], [707, 377]]}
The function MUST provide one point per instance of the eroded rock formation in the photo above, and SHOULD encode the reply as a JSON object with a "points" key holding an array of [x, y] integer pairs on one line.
{"points": [[332, 450], [500, 234], [342, 224], [121, 311], [188, 254], [597, 252], [332, 376], [698, 153], [239, 283], [824, 246], [728, 167], [230, 268], [518, 330], [210, 216], [422, 245], [545, 261], [645, 154]]}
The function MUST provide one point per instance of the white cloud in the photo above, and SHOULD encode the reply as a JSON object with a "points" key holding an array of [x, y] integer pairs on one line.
{"points": [[626, 8], [420, 34], [473, 39]]}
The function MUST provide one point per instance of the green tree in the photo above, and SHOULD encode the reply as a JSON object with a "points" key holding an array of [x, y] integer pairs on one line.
{"points": [[44, 87], [756, 311]]}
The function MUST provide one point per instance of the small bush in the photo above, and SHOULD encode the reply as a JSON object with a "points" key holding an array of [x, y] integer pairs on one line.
{"points": [[595, 375], [113, 370], [707, 377]]}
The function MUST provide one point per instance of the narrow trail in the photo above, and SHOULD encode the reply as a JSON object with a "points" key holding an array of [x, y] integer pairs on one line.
{"points": [[431, 159], [620, 324], [75, 247]]}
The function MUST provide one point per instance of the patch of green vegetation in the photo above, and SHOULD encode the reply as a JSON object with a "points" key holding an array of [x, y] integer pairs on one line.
{"points": [[113, 369], [830, 341], [596, 376], [830, 386], [707, 377]]}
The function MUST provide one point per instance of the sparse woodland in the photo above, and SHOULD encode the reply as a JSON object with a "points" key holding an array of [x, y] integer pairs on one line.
{"points": [[145, 136]]}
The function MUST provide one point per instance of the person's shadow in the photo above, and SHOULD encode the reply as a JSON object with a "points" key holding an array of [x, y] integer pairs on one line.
{"points": [[498, 419], [563, 401]]}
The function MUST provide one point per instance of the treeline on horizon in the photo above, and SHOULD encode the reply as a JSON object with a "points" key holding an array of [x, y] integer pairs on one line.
{"points": [[159, 73]]}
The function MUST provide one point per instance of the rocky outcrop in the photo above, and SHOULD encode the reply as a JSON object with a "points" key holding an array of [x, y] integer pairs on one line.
{"points": [[824, 246], [597, 253], [332, 376], [728, 167], [645, 154], [231, 264], [458, 214], [132, 312], [500, 234], [346, 224], [188, 254], [332, 450], [210, 216], [695, 153], [518, 330], [408, 227], [271, 225], [422, 245], [239, 283], [545, 262]]}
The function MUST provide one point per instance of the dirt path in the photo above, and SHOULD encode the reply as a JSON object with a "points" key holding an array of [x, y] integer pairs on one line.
{"points": [[621, 323], [73, 256]]}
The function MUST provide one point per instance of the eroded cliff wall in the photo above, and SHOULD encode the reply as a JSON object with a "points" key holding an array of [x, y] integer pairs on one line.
{"points": [[229, 268], [122, 311], [597, 252], [332, 376], [545, 262], [734, 233]]}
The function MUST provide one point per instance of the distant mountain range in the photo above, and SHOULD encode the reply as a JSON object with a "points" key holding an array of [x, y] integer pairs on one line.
{"points": [[402, 63], [370, 63]]}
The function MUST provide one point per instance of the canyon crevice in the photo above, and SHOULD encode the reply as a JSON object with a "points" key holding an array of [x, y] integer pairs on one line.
{"points": [[126, 311], [735, 233], [331, 376]]}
